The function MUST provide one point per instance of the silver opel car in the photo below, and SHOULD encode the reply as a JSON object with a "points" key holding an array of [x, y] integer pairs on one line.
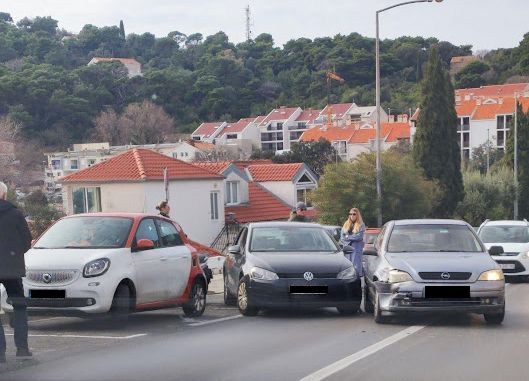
{"points": [[432, 265]]}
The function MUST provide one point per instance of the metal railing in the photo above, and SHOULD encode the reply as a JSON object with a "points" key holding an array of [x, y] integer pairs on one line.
{"points": [[227, 235]]}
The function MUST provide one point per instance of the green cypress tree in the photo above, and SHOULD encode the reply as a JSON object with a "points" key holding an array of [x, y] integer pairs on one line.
{"points": [[523, 160], [122, 29], [435, 146]]}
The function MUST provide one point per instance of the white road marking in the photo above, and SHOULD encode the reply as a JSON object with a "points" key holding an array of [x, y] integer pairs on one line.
{"points": [[214, 321], [87, 336], [46, 319], [355, 357]]}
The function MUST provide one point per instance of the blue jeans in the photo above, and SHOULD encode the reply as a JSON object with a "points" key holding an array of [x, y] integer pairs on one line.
{"points": [[15, 292]]}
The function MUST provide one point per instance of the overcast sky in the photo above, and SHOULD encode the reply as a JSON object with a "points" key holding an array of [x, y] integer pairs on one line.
{"points": [[485, 24]]}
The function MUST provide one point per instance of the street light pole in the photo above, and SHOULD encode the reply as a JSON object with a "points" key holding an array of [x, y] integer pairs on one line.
{"points": [[488, 150], [516, 195], [377, 100]]}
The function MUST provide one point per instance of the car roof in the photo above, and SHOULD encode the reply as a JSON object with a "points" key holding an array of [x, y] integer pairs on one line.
{"points": [[506, 222], [430, 221], [115, 214], [283, 224]]}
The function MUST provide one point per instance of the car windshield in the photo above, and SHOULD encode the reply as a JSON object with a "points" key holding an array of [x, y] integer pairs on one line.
{"points": [[433, 238], [86, 232], [291, 239], [370, 238], [504, 234]]}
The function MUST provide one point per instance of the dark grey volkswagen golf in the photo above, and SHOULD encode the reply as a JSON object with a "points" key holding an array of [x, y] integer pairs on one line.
{"points": [[432, 265], [289, 264]]}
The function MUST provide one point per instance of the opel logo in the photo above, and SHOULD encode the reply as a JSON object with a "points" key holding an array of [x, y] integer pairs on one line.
{"points": [[445, 276], [46, 277], [308, 276]]}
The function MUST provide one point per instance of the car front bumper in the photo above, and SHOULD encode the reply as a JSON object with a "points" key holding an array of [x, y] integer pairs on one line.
{"points": [[513, 265], [277, 294], [485, 297]]}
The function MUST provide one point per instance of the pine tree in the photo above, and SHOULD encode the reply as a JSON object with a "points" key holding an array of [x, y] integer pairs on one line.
{"points": [[121, 29], [523, 161], [435, 148]]}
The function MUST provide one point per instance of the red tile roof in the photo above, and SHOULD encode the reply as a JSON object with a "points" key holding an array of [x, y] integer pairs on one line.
{"points": [[493, 91], [274, 172], [124, 61], [203, 146], [465, 108], [397, 131], [139, 165], [391, 132], [329, 133], [213, 166], [233, 128], [207, 129], [262, 206], [338, 109], [308, 116], [490, 110], [282, 113]]}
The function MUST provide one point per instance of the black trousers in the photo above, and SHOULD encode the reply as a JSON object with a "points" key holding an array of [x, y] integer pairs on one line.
{"points": [[15, 293]]}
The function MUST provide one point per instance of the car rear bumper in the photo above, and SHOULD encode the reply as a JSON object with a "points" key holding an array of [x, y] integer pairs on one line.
{"points": [[277, 294], [513, 265]]}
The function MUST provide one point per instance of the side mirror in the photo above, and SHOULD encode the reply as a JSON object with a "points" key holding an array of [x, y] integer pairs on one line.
{"points": [[496, 250], [144, 244], [235, 250], [371, 251], [348, 249]]}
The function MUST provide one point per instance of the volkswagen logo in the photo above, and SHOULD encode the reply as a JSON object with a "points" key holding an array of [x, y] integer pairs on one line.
{"points": [[46, 277], [445, 276], [308, 276]]}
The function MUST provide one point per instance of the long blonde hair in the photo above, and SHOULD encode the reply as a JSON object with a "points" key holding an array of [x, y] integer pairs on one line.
{"points": [[357, 224]]}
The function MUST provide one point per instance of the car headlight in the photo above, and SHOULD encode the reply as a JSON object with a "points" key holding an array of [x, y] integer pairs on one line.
{"points": [[398, 276], [96, 268], [262, 274], [525, 254], [348, 273], [492, 275]]}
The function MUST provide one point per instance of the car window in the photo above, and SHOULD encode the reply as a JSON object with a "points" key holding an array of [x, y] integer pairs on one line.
{"points": [[242, 238], [433, 238], [168, 234], [504, 234], [147, 230], [291, 239], [380, 237]]}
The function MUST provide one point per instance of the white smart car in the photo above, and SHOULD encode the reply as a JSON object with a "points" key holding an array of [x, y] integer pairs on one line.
{"points": [[113, 262], [513, 237]]}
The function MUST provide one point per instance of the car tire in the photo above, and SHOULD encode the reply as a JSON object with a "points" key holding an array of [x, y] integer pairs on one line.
{"points": [[197, 300], [121, 304], [229, 299], [349, 310], [496, 318], [377, 312], [243, 300], [369, 307]]}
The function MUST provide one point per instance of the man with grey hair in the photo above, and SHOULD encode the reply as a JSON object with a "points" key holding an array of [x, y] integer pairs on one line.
{"points": [[15, 240]]}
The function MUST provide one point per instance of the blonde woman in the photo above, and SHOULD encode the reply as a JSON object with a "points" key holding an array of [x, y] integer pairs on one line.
{"points": [[353, 231]]}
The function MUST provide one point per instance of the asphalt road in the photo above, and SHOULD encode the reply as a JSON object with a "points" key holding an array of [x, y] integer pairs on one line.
{"points": [[300, 345]]}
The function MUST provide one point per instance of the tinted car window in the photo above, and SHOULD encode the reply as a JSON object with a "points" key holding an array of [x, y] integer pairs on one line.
{"points": [[514, 234], [292, 239], [433, 238], [168, 234], [147, 230]]}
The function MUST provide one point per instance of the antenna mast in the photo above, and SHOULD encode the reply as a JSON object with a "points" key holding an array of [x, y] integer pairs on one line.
{"points": [[248, 23]]}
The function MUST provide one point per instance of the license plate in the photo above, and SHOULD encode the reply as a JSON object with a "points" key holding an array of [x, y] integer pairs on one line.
{"points": [[309, 289], [447, 292], [47, 294], [507, 266]]}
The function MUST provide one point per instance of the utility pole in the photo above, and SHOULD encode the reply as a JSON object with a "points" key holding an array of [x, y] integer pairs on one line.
{"points": [[516, 193], [488, 150], [248, 23]]}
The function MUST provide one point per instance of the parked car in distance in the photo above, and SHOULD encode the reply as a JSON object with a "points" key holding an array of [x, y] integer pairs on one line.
{"points": [[432, 265], [513, 237], [289, 264], [113, 262], [370, 236]]}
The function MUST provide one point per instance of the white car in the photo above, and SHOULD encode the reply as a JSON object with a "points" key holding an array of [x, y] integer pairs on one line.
{"points": [[513, 237], [118, 263]]}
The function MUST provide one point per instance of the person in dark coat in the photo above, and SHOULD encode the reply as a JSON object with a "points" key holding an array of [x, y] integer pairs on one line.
{"points": [[164, 209], [15, 240], [298, 215]]}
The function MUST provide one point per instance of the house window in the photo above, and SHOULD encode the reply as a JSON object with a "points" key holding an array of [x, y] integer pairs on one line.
{"points": [[56, 164], [86, 200], [503, 124], [196, 137], [231, 136], [175, 155], [302, 125], [214, 205], [74, 164], [91, 162], [303, 194], [181, 154], [232, 192], [187, 154]]}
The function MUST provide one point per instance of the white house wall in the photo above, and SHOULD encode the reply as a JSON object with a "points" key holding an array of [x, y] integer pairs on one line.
{"points": [[284, 190], [190, 206], [478, 132]]}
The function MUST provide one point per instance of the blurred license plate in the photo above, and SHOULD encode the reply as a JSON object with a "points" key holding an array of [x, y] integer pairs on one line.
{"points": [[308, 289], [47, 294], [507, 266], [447, 292]]}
